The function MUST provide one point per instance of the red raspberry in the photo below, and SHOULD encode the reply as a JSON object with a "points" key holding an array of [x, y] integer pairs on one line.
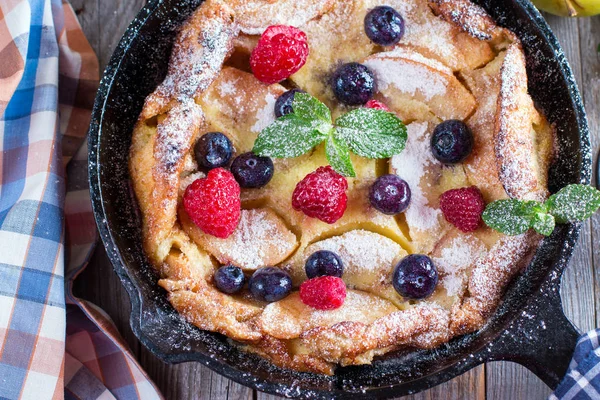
{"points": [[463, 208], [377, 105], [213, 203], [281, 51], [323, 293], [321, 194]]}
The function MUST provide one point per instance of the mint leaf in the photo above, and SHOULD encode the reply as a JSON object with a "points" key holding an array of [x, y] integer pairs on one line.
{"points": [[309, 108], [289, 136], [371, 133], [511, 217], [543, 223], [574, 203], [338, 156]]}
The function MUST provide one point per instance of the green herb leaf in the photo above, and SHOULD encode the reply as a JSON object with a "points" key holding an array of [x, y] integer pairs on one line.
{"points": [[290, 136], [511, 217], [543, 223], [338, 156], [574, 203], [309, 108], [372, 133]]}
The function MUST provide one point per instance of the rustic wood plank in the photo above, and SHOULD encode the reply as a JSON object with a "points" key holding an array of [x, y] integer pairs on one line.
{"points": [[469, 386], [192, 381], [99, 284], [509, 380], [589, 29]]}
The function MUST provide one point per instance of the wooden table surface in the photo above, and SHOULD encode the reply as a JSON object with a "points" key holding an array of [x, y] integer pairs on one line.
{"points": [[104, 21]]}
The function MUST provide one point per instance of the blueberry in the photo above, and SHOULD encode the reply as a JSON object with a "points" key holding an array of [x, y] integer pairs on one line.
{"points": [[252, 171], [384, 26], [452, 142], [415, 277], [390, 194], [324, 263], [283, 105], [229, 279], [270, 284], [213, 150], [353, 84]]}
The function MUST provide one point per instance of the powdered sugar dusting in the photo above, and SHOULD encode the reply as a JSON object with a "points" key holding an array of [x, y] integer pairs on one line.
{"points": [[174, 137], [513, 141], [227, 88], [408, 76], [260, 239], [411, 165], [266, 115], [188, 180], [454, 259], [255, 16], [198, 54], [402, 52], [492, 272], [361, 252]]}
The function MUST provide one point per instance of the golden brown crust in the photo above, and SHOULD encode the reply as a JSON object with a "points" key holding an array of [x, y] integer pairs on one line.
{"points": [[254, 16], [203, 44], [200, 94], [514, 136], [468, 16]]}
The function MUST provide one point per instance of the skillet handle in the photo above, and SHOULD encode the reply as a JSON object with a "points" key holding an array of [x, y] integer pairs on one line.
{"points": [[542, 338]]}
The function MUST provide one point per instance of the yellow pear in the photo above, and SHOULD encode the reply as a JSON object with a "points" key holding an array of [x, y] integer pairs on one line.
{"points": [[570, 8]]}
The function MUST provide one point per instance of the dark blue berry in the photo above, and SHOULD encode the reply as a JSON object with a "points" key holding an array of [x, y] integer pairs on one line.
{"points": [[353, 84], [283, 105], [384, 26], [324, 263], [452, 142], [270, 284], [415, 277], [229, 279], [213, 150], [252, 171], [390, 194]]}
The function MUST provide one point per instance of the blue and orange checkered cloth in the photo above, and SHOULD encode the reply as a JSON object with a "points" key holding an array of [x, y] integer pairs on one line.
{"points": [[53, 345]]}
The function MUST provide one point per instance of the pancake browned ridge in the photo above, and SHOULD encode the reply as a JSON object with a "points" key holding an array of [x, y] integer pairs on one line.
{"points": [[453, 62]]}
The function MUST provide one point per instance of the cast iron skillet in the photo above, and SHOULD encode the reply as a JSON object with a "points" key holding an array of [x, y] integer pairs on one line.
{"points": [[529, 327]]}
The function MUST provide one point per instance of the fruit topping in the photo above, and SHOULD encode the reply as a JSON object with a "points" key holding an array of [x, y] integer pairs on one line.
{"points": [[252, 171], [229, 279], [415, 277], [324, 263], [323, 293], [213, 150], [281, 51], [384, 26], [283, 105], [367, 132], [270, 284], [321, 194], [213, 203], [377, 105], [452, 142], [390, 194], [463, 208], [353, 84]]}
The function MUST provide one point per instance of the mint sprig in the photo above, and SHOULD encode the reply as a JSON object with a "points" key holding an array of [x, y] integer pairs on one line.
{"points": [[366, 132], [513, 217]]}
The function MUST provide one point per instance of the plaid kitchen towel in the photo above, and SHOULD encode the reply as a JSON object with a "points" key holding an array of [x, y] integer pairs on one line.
{"points": [[583, 379], [52, 345]]}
